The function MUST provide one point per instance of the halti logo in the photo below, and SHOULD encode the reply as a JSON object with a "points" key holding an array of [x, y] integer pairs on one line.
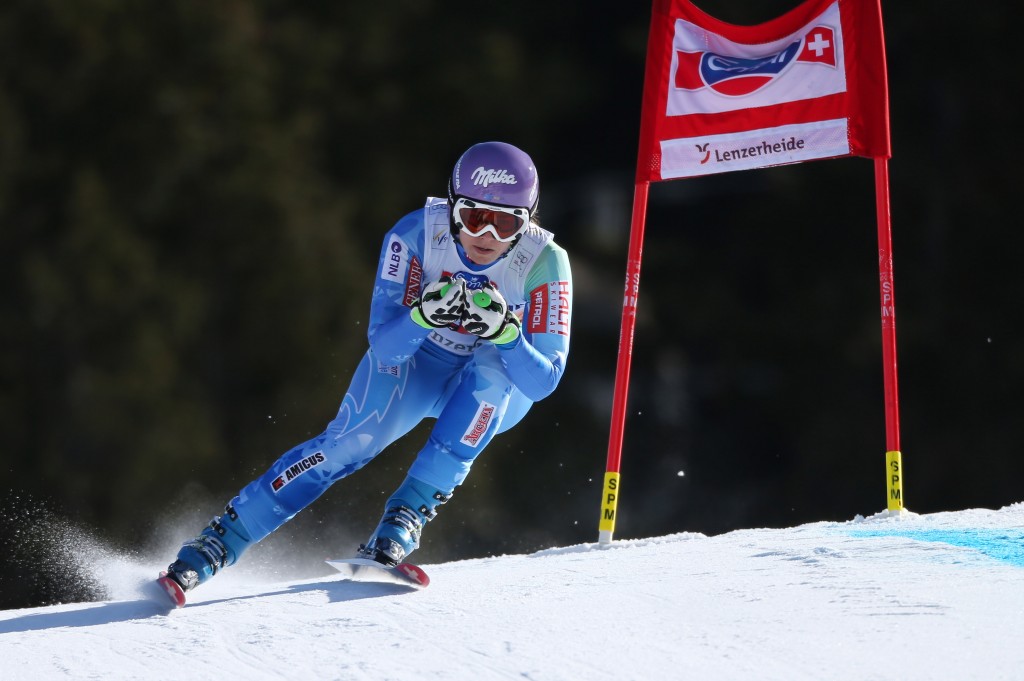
{"points": [[484, 177], [549, 308], [735, 77]]}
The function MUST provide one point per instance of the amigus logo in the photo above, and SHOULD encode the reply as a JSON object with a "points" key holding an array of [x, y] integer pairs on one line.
{"points": [[735, 77], [295, 470]]}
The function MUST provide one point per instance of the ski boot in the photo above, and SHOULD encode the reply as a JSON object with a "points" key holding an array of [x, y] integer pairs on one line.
{"points": [[219, 545], [398, 534]]}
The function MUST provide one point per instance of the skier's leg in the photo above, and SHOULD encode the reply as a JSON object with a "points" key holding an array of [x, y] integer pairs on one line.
{"points": [[518, 405], [381, 405], [467, 423]]}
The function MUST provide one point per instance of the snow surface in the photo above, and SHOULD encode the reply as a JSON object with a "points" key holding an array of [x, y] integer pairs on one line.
{"points": [[891, 596]]}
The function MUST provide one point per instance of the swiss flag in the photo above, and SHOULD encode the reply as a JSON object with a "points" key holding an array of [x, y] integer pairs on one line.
{"points": [[819, 46]]}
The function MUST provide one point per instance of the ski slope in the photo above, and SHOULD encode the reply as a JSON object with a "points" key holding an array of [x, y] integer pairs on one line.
{"points": [[907, 596]]}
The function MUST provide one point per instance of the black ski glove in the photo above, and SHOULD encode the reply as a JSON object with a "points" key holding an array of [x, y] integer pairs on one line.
{"points": [[443, 303]]}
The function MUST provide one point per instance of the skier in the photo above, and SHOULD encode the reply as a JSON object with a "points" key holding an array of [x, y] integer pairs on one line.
{"points": [[469, 324]]}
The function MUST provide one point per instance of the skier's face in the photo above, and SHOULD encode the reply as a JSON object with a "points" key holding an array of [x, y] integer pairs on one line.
{"points": [[483, 249]]}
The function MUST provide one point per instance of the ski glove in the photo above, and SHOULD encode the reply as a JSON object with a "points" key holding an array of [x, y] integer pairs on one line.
{"points": [[442, 303], [487, 315]]}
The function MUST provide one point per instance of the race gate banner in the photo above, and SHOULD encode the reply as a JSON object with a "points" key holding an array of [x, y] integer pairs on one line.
{"points": [[718, 97]]}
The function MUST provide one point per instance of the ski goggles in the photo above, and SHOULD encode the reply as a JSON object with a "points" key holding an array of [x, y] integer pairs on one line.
{"points": [[504, 224]]}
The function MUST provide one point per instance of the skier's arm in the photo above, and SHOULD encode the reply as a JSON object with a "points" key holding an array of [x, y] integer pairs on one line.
{"points": [[536, 359], [394, 337]]}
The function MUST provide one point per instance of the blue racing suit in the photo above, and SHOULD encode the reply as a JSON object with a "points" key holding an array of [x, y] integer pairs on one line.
{"points": [[473, 387]]}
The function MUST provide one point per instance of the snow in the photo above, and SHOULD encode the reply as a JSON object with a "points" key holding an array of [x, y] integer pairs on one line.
{"points": [[890, 596]]}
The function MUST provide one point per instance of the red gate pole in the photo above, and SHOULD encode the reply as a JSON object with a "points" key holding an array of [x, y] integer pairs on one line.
{"points": [[893, 458], [610, 497]]}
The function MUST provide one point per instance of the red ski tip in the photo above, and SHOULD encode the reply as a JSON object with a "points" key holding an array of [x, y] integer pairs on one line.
{"points": [[414, 572], [172, 589]]}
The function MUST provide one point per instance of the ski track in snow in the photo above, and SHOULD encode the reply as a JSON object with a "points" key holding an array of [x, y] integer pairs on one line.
{"points": [[891, 596]]}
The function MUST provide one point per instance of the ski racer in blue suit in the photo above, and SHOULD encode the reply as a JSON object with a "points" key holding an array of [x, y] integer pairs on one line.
{"points": [[469, 324]]}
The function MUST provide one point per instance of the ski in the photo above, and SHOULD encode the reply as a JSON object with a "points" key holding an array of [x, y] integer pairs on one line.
{"points": [[366, 570], [172, 589]]}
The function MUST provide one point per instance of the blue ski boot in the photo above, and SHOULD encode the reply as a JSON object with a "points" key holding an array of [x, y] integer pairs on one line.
{"points": [[219, 545], [412, 505]]}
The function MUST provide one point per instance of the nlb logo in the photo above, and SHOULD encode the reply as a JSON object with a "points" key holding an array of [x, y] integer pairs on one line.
{"points": [[736, 76], [394, 260]]}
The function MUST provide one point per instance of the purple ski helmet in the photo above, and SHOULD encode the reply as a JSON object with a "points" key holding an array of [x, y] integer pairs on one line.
{"points": [[496, 172]]}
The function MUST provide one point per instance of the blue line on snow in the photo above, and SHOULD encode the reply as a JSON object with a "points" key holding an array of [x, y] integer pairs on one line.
{"points": [[1004, 545]]}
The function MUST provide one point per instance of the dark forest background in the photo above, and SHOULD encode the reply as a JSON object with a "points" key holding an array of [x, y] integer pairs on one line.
{"points": [[192, 197]]}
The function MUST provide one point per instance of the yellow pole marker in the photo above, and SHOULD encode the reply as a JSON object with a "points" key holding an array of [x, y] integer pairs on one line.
{"points": [[894, 471], [606, 528]]}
